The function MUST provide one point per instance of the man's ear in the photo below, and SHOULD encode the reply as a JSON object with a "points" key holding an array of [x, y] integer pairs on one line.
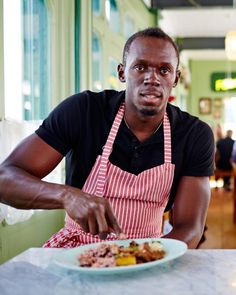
{"points": [[121, 73], [178, 74]]}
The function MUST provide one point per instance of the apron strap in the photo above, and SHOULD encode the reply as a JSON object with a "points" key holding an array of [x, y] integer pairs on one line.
{"points": [[107, 149], [167, 139]]}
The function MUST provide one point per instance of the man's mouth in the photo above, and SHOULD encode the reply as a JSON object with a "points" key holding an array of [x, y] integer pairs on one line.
{"points": [[151, 97]]}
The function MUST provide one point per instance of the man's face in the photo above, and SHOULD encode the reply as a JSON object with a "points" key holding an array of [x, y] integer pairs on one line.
{"points": [[150, 74]]}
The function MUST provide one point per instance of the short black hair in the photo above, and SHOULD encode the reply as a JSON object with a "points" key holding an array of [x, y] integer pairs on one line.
{"points": [[149, 32]]}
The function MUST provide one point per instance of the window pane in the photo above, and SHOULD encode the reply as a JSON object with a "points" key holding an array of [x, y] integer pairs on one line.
{"points": [[113, 80], [26, 51], [113, 16], [12, 41], [229, 115], [128, 27], [96, 7], [96, 63], [35, 60]]}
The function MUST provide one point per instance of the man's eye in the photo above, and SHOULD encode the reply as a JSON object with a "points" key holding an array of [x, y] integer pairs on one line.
{"points": [[139, 67], [164, 71]]}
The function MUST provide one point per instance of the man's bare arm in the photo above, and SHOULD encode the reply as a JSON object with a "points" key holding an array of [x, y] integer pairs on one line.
{"points": [[190, 210], [21, 187], [21, 173]]}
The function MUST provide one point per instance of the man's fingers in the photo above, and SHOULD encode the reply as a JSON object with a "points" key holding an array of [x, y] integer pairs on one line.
{"points": [[103, 235], [92, 224], [112, 221], [102, 224], [99, 219], [84, 226]]}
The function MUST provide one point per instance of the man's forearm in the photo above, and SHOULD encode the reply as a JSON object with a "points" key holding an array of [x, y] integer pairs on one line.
{"points": [[21, 190], [190, 236]]}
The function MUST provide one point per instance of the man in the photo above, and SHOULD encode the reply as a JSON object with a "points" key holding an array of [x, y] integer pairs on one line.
{"points": [[234, 153], [224, 148], [129, 156]]}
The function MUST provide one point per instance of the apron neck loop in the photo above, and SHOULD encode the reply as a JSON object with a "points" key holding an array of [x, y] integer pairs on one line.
{"points": [[107, 149]]}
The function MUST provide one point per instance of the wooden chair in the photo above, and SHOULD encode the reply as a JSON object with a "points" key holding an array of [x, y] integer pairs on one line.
{"points": [[232, 174]]}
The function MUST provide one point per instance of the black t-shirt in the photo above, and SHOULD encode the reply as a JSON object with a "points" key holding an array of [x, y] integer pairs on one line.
{"points": [[225, 147], [79, 126]]}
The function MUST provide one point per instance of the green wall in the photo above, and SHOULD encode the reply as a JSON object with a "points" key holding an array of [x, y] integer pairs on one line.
{"points": [[201, 71], [16, 238]]}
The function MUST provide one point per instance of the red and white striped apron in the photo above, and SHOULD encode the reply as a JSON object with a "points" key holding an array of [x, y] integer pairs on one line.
{"points": [[138, 201]]}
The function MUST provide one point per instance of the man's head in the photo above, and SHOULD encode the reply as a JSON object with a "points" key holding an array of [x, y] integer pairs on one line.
{"points": [[229, 133], [149, 32], [150, 70]]}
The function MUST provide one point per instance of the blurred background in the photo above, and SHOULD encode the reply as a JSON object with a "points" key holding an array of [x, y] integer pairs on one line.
{"points": [[50, 49]]}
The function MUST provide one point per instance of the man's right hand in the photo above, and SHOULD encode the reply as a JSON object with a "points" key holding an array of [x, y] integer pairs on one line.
{"points": [[94, 214]]}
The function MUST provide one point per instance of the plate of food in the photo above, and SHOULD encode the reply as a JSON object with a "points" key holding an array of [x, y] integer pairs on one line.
{"points": [[111, 257]]}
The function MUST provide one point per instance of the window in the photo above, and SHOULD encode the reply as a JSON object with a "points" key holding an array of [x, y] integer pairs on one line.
{"points": [[96, 63], [112, 14], [229, 114], [35, 60], [113, 79], [26, 60], [128, 27], [28, 89], [96, 7]]}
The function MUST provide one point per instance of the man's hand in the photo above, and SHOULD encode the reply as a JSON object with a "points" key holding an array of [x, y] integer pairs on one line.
{"points": [[92, 213]]}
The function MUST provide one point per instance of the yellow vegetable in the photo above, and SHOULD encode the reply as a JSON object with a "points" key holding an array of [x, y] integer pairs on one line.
{"points": [[128, 260]]}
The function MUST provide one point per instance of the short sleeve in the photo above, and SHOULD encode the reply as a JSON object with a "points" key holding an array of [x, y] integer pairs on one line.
{"points": [[63, 123], [199, 160]]}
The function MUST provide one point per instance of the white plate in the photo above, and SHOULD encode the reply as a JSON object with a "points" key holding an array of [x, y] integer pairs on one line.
{"points": [[68, 258]]}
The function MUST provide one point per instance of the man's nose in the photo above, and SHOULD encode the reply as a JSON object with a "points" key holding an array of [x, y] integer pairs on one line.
{"points": [[152, 77]]}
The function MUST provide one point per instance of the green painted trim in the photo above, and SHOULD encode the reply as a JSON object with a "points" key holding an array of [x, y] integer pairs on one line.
{"points": [[77, 44]]}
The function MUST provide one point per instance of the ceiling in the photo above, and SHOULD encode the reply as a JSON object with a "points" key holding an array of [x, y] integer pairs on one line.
{"points": [[200, 26], [165, 4], [198, 22]]}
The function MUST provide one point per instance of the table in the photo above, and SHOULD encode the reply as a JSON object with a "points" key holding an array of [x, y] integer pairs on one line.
{"points": [[200, 272]]}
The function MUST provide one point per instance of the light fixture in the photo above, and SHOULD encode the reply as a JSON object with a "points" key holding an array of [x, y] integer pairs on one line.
{"points": [[230, 45]]}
